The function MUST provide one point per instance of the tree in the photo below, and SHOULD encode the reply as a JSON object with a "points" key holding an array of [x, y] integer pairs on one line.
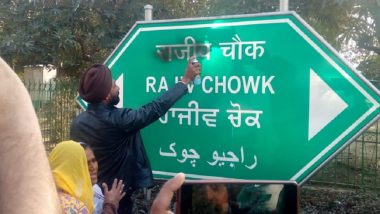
{"points": [[71, 34], [367, 36], [350, 26], [68, 34]]}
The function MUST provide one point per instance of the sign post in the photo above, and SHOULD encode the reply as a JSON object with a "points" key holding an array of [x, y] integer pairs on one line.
{"points": [[276, 102]]}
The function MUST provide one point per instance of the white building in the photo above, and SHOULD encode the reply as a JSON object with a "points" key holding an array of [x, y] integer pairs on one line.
{"points": [[39, 73]]}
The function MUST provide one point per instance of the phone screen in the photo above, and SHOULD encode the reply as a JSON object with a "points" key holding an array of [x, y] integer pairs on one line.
{"points": [[241, 197]]}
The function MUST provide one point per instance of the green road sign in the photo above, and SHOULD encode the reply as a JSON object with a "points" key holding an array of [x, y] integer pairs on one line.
{"points": [[276, 102]]}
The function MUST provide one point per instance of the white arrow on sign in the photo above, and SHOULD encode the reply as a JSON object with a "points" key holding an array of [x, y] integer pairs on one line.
{"points": [[324, 104]]}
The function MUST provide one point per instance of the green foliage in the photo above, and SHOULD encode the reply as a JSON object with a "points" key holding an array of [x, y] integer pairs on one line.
{"points": [[351, 26], [68, 34], [72, 34], [371, 68], [174, 9], [330, 18], [226, 7]]}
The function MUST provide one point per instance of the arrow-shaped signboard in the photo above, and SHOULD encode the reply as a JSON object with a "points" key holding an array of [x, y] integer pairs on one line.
{"points": [[275, 103]]}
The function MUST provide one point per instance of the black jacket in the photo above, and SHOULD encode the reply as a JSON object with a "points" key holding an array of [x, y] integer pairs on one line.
{"points": [[114, 135]]}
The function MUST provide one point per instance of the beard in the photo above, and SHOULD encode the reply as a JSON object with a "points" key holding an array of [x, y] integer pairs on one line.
{"points": [[115, 100]]}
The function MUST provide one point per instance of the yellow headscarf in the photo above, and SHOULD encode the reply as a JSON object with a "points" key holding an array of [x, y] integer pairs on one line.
{"points": [[70, 171]]}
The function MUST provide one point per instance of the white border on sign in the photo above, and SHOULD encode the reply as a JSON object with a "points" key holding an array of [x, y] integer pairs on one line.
{"points": [[308, 40]]}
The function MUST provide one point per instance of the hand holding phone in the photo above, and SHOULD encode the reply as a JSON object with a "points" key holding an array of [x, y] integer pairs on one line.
{"points": [[162, 201]]}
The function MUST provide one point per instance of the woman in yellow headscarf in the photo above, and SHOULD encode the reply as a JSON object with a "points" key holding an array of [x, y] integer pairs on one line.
{"points": [[70, 171]]}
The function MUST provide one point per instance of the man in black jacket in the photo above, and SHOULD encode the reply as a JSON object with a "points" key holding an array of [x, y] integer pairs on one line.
{"points": [[114, 134]]}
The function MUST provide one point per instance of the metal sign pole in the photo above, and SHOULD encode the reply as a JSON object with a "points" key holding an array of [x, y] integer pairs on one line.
{"points": [[284, 5], [148, 12]]}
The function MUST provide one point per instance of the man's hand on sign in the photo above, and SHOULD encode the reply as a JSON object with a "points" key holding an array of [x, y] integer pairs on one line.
{"points": [[192, 70]]}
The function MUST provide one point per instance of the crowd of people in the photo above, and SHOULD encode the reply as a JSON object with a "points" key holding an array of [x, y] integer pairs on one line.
{"points": [[99, 168]]}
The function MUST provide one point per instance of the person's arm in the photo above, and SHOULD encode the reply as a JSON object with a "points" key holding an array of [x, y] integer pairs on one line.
{"points": [[131, 120], [26, 182]]}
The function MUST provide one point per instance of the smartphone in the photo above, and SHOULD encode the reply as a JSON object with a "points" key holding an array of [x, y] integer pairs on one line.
{"points": [[237, 196]]}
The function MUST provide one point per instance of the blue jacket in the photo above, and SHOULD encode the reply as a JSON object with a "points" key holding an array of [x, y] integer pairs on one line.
{"points": [[114, 135]]}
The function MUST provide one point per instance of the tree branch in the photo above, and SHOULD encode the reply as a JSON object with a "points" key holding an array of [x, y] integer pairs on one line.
{"points": [[372, 48]]}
